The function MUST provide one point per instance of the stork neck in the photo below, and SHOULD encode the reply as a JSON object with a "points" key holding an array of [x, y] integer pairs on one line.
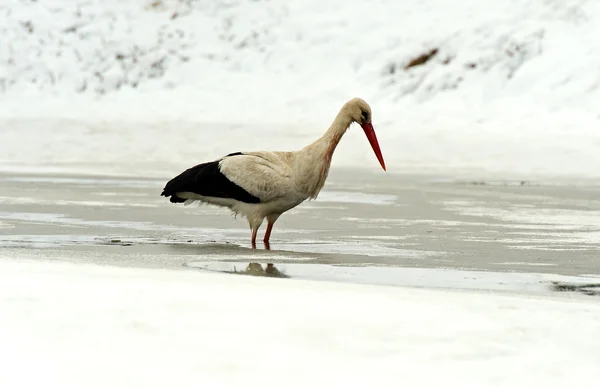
{"points": [[332, 136], [317, 156], [338, 127]]}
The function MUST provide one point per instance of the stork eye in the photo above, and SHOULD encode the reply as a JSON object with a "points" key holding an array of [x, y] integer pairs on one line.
{"points": [[365, 116]]}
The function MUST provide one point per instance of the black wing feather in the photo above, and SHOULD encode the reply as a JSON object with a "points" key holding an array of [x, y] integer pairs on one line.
{"points": [[206, 179]]}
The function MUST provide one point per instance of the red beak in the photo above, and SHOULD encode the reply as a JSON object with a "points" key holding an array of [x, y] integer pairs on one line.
{"points": [[370, 133]]}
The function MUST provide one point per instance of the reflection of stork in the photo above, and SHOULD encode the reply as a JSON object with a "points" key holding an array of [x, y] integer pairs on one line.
{"points": [[261, 185]]}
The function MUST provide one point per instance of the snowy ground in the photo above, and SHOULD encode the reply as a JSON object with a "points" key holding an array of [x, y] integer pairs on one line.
{"points": [[148, 87], [73, 325]]}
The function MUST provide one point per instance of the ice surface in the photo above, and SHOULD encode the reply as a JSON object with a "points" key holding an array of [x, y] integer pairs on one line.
{"points": [[519, 283], [150, 88], [73, 325]]}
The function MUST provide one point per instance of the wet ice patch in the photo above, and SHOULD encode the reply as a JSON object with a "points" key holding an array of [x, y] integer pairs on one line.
{"points": [[125, 182], [379, 237], [524, 263], [559, 217], [5, 225], [356, 197], [34, 217], [64, 220], [417, 277], [556, 248], [357, 247], [257, 255], [61, 202], [549, 229], [45, 241], [390, 222]]}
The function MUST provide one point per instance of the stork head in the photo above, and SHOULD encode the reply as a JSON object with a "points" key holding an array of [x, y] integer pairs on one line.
{"points": [[360, 112]]}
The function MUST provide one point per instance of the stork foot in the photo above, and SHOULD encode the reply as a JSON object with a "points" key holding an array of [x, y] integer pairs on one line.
{"points": [[267, 245]]}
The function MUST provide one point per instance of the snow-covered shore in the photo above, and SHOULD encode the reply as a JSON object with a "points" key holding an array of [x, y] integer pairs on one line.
{"points": [[94, 85], [77, 324]]}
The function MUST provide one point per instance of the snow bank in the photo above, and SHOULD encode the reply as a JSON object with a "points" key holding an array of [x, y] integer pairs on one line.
{"points": [[74, 324], [512, 88]]}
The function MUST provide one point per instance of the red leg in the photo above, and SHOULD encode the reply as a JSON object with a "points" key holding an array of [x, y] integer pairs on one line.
{"points": [[254, 237], [268, 232]]}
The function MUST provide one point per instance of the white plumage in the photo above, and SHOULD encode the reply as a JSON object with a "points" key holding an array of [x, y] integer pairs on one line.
{"points": [[261, 185]]}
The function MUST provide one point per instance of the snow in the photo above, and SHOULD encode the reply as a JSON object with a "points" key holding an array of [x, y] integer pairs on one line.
{"points": [[76, 324], [150, 87]]}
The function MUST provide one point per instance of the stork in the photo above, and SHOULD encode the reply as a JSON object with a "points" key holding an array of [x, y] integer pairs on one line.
{"points": [[259, 185]]}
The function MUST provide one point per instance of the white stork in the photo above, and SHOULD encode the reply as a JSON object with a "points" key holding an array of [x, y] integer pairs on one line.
{"points": [[261, 185]]}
